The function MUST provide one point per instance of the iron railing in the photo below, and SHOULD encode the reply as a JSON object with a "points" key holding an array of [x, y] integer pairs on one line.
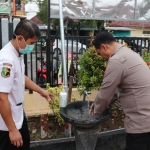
{"points": [[44, 64], [36, 62], [74, 47]]}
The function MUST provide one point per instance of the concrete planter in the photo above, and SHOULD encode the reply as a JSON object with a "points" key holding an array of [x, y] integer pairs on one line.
{"points": [[109, 140]]}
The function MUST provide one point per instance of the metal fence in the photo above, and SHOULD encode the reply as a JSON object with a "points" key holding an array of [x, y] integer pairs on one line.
{"points": [[38, 61], [74, 47], [44, 64]]}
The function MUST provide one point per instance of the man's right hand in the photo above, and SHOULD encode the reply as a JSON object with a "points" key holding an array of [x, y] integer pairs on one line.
{"points": [[91, 111], [15, 138]]}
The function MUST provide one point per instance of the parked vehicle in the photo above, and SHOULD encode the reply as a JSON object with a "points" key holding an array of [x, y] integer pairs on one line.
{"points": [[41, 70], [74, 46], [41, 44], [56, 65], [73, 69], [137, 45]]}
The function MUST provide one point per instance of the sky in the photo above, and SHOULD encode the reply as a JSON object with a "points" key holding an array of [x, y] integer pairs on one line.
{"points": [[31, 10]]}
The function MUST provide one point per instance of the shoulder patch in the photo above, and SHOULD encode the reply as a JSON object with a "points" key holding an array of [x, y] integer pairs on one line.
{"points": [[7, 64], [5, 72]]}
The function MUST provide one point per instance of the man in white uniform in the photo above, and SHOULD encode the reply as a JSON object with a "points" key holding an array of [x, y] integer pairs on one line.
{"points": [[14, 134]]}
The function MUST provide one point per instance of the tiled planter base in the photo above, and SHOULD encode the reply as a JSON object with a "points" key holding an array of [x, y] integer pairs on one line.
{"points": [[109, 140]]}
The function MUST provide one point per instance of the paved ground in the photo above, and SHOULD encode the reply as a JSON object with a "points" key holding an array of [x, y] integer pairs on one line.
{"points": [[35, 104]]}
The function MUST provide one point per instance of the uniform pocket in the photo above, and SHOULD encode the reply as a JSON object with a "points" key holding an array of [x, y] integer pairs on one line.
{"points": [[17, 113]]}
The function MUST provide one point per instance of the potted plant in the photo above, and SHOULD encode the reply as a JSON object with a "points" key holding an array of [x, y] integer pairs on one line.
{"points": [[91, 71]]}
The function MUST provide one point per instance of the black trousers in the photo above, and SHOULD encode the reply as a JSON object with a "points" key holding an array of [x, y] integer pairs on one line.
{"points": [[140, 141], [5, 143]]}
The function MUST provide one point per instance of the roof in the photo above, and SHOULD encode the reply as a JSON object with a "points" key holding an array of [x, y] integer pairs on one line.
{"points": [[108, 28], [128, 24], [120, 28], [121, 10], [36, 20]]}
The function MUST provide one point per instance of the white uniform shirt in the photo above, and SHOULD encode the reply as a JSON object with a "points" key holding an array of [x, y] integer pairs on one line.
{"points": [[12, 81]]}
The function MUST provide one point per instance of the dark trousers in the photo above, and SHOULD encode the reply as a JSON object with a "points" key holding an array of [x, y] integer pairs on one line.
{"points": [[5, 143], [140, 141]]}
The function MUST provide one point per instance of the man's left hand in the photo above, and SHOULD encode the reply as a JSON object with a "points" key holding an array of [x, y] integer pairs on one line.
{"points": [[48, 96]]}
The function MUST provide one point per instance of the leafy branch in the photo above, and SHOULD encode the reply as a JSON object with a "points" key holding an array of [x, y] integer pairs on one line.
{"points": [[54, 105]]}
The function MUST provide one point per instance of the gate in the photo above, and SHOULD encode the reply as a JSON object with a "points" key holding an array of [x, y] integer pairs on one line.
{"points": [[44, 64]]}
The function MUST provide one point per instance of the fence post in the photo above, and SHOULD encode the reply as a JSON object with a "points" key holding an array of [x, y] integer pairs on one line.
{"points": [[15, 22], [0, 36], [5, 29], [10, 31]]}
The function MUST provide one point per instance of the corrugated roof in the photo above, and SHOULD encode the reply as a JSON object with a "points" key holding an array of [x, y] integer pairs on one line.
{"points": [[36, 20], [120, 28], [125, 10], [128, 24]]}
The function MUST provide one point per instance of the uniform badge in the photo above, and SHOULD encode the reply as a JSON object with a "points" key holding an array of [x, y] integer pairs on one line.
{"points": [[7, 64], [5, 72]]}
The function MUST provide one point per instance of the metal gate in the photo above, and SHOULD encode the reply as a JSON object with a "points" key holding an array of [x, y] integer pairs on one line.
{"points": [[44, 64]]}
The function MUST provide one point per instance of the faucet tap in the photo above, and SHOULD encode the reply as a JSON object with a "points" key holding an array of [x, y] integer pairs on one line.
{"points": [[85, 94]]}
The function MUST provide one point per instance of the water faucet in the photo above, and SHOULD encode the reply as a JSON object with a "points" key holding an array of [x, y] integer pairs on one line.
{"points": [[85, 94]]}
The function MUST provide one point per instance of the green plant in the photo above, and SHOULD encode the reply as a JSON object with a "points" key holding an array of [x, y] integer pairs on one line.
{"points": [[146, 57], [91, 72], [54, 105]]}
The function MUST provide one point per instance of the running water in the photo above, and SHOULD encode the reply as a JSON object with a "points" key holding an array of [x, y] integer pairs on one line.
{"points": [[86, 138], [88, 104], [88, 108]]}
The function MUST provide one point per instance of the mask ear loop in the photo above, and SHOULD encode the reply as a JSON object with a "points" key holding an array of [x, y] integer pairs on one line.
{"points": [[17, 41], [14, 34], [22, 37]]}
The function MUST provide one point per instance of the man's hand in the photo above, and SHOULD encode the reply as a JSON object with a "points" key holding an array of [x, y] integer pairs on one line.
{"points": [[91, 111], [15, 138], [49, 96], [32, 86]]}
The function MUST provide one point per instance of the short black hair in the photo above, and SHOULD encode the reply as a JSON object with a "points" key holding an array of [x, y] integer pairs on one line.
{"points": [[28, 29], [103, 38]]}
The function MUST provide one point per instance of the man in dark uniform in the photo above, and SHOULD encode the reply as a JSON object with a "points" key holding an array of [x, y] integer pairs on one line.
{"points": [[128, 72]]}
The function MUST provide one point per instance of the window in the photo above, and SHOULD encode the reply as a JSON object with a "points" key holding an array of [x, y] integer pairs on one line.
{"points": [[146, 32]]}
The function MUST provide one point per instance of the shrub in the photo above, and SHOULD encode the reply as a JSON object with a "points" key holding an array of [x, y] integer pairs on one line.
{"points": [[146, 57], [91, 72]]}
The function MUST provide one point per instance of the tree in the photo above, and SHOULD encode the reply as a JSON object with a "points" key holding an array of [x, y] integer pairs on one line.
{"points": [[76, 26], [42, 14]]}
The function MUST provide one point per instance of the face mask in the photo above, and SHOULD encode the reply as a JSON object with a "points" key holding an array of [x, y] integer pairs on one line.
{"points": [[28, 49]]}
